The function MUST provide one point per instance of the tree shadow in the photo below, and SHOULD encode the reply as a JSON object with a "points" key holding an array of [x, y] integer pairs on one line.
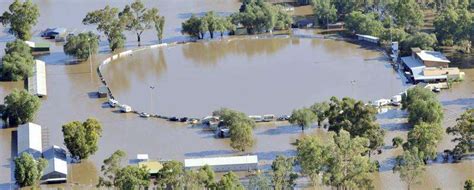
{"points": [[465, 102], [396, 126], [387, 164], [209, 153], [286, 129]]}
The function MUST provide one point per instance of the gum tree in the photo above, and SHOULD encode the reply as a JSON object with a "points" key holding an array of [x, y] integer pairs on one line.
{"points": [[21, 17], [28, 171], [17, 64], [20, 107], [81, 139], [108, 22]]}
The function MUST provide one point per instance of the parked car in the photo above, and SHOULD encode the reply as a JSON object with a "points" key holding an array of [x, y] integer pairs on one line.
{"points": [[183, 119], [144, 115], [284, 118], [173, 119]]}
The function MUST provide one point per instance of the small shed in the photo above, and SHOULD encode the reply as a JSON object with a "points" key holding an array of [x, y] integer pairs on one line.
{"points": [[38, 47], [53, 33], [102, 92], [56, 171], [37, 81], [29, 139], [224, 164]]}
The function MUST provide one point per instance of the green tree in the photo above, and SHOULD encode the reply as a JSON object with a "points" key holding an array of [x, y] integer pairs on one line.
{"points": [[212, 22], [320, 110], [410, 166], [21, 17], [132, 177], [28, 171], [325, 12], [240, 128], [192, 27], [82, 45], [207, 177], [303, 117], [171, 175], [423, 106], [407, 14], [312, 155], [416, 93], [421, 40], [158, 23], [394, 34], [357, 118], [397, 141], [361, 23], [81, 139], [138, 18], [20, 107], [110, 169], [348, 168], [425, 138], [453, 25], [224, 24], [108, 22], [17, 64], [283, 176], [259, 16], [464, 132], [469, 185], [259, 181], [229, 181]]}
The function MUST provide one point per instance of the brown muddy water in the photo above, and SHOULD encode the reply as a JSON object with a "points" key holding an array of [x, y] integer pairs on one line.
{"points": [[256, 76]]}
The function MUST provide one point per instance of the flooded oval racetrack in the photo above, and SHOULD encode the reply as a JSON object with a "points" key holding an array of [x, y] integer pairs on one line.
{"points": [[256, 76]]}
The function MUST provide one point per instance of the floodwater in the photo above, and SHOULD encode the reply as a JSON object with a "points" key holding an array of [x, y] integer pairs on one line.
{"points": [[71, 88], [256, 76]]}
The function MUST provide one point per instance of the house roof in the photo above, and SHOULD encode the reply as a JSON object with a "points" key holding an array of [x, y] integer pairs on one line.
{"points": [[219, 161], [418, 68], [57, 162], [434, 56], [152, 166], [37, 82], [29, 138], [430, 71]]}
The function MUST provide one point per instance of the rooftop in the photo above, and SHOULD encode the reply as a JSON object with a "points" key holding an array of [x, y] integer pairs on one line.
{"points": [[37, 82], [219, 161], [29, 138], [435, 56], [152, 166], [418, 69]]}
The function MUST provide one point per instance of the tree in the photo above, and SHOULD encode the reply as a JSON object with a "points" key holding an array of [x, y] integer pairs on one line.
{"points": [[132, 177], [171, 175], [259, 181], [347, 168], [81, 139], [212, 22], [28, 171], [192, 27], [110, 168], [453, 24], [312, 155], [421, 40], [361, 23], [21, 17], [303, 117], [240, 128], [207, 177], [324, 11], [357, 118], [397, 141], [108, 22], [20, 107], [229, 181], [138, 18], [224, 24], [423, 106], [158, 23], [17, 64], [410, 166], [469, 185], [283, 176], [464, 132], [320, 110], [407, 14], [82, 45], [425, 138], [416, 93]]}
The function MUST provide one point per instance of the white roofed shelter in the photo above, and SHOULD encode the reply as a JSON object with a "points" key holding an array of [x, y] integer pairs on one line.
{"points": [[29, 139], [224, 164], [37, 82], [56, 171]]}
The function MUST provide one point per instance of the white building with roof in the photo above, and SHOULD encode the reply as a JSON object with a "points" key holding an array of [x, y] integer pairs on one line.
{"points": [[368, 38], [29, 139], [56, 171], [224, 164], [37, 81]]}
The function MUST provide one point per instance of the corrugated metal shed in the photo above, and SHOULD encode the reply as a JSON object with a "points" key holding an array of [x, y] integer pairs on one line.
{"points": [[29, 139], [37, 82], [56, 171], [235, 163]]}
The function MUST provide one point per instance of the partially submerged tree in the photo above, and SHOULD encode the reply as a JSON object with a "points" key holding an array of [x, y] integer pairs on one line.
{"points": [[425, 138], [283, 176], [17, 63], [230, 181], [21, 17], [138, 18], [20, 107], [410, 166], [81, 139], [325, 11], [312, 156], [240, 128], [82, 46], [28, 171], [464, 133], [171, 175], [321, 111], [108, 22], [259, 181], [303, 117], [110, 168]]}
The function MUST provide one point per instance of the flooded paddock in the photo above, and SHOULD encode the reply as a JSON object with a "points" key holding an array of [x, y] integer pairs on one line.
{"points": [[71, 89]]}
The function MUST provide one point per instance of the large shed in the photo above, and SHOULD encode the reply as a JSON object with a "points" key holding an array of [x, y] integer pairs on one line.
{"points": [[224, 164], [56, 171], [29, 139], [37, 82]]}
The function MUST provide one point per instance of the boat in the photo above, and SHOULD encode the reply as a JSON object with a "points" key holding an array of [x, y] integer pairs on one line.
{"points": [[144, 115], [125, 108], [268, 117]]}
